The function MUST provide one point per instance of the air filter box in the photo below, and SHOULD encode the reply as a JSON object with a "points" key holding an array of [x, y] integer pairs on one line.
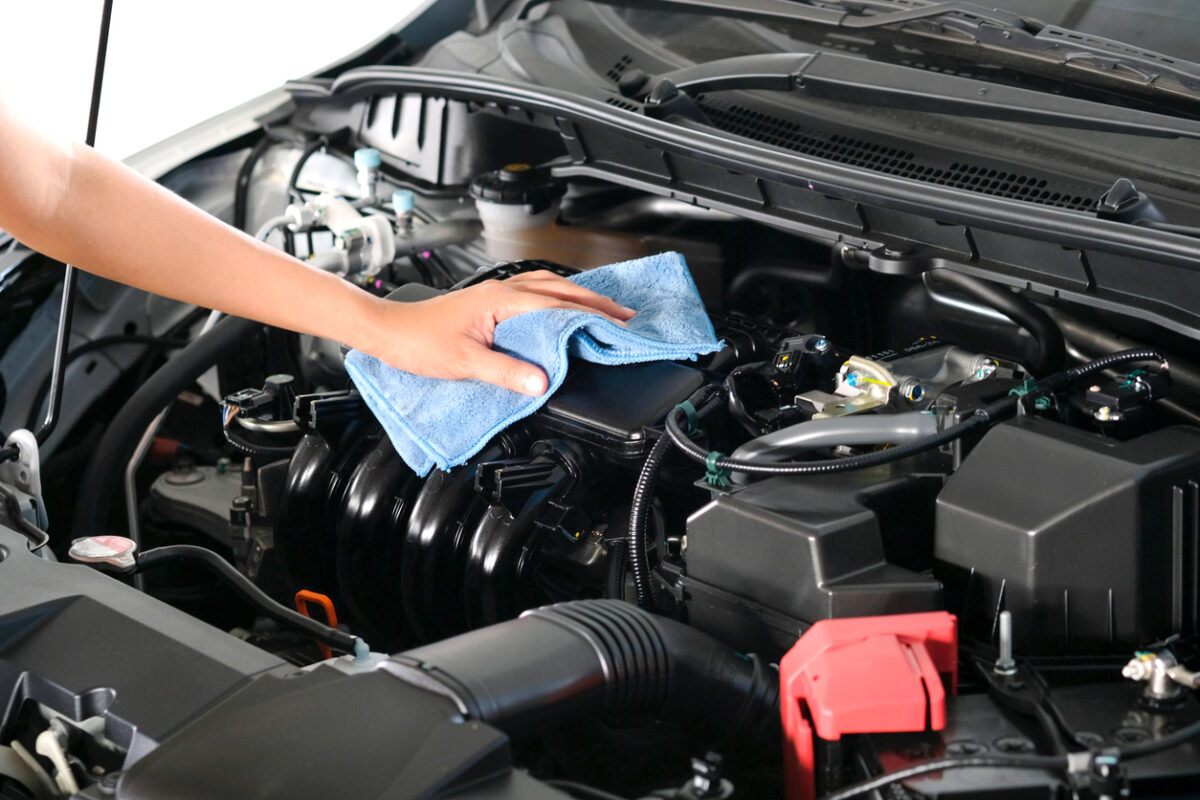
{"points": [[1091, 543]]}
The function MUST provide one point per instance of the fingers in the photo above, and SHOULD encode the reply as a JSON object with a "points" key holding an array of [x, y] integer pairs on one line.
{"points": [[506, 301], [551, 285], [522, 302], [511, 373]]}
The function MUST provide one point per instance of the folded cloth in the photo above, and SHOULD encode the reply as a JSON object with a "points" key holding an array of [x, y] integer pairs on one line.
{"points": [[444, 422]]}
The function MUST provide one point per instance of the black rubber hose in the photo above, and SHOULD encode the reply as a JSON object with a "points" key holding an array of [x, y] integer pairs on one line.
{"points": [[90, 347], [37, 537], [305, 154], [10, 453], [210, 560], [1173, 739], [737, 409], [982, 418], [99, 481], [805, 276], [241, 186], [606, 658], [1052, 348], [614, 569]]}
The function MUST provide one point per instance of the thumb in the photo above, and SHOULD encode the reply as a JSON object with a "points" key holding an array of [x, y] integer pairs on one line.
{"points": [[487, 365]]}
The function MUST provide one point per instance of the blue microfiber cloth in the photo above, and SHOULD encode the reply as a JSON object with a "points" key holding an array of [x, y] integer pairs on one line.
{"points": [[443, 423]]}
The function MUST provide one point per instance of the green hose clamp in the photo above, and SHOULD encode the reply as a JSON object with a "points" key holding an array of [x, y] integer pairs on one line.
{"points": [[693, 420], [714, 475]]}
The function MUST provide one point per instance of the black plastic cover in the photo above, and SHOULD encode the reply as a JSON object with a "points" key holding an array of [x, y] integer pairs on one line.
{"points": [[324, 734], [1091, 543], [86, 645], [769, 560], [610, 407]]}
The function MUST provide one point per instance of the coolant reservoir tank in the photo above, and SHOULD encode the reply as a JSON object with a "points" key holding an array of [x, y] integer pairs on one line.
{"points": [[518, 206]]}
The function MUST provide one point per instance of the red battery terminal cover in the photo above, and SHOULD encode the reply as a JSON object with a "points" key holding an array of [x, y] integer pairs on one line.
{"points": [[863, 675]]}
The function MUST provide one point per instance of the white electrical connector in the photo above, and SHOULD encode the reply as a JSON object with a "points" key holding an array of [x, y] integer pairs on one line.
{"points": [[48, 744], [301, 216], [365, 244]]}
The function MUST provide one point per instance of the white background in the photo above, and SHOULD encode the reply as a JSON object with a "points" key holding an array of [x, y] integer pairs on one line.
{"points": [[171, 63]]}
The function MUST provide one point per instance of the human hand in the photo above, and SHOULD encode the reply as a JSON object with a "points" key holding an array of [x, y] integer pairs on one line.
{"points": [[451, 336]]}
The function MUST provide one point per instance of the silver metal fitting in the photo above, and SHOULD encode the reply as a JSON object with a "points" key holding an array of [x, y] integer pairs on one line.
{"points": [[1156, 670], [1005, 664], [911, 390]]}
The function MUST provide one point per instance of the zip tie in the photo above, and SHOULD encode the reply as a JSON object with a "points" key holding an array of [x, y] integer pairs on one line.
{"points": [[689, 411], [714, 475]]}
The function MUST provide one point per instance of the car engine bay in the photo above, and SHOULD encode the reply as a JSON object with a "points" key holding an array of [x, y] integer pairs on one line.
{"points": [[920, 528]]}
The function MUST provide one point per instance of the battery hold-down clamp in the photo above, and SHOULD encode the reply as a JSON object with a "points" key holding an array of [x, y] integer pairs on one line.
{"points": [[863, 675]]}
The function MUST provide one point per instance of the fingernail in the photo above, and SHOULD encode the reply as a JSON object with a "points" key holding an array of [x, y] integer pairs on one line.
{"points": [[533, 385], [628, 310]]}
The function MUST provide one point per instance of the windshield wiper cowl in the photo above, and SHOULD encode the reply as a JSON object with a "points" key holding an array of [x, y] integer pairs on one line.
{"points": [[850, 79]]}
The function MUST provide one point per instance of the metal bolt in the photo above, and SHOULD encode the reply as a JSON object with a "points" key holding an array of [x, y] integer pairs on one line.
{"points": [[1005, 665], [984, 368], [820, 345], [964, 747], [1014, 744], [1131, 735]]}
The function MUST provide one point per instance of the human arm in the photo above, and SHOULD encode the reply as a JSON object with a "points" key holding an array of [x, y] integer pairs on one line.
{"points": [[73, 204]]}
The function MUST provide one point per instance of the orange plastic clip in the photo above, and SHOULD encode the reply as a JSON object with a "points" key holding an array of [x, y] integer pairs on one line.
{"points": [[303, 598]]}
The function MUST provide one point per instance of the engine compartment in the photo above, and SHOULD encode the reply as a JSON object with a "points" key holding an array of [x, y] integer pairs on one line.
{"points": [[942, 494]]}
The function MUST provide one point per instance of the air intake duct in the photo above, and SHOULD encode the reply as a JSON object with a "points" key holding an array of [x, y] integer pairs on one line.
{"points": [[606, 658]]}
